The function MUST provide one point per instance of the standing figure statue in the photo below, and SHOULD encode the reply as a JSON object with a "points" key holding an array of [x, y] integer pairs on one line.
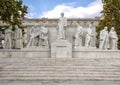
{"points": [[1, 39], [8, 38], [104, 39], [18, 38], [78, 36], [89, 36], [34, 32], [61, 27], [43, 37], [113, 39], [13, 39], [93, 40], [25, 37]]}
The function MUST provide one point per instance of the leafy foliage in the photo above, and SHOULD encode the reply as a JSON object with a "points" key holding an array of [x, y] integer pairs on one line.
{"points": [[12, 11]]}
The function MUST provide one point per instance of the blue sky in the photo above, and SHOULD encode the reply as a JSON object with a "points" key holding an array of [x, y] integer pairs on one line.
{"points": [[51, 8]]}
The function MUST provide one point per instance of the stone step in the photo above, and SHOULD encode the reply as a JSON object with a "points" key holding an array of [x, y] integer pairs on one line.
{"points": [[61, 77], [54, 72], [60, 82], [58, 72], [57, 59], [60, 68], [71, 69], [27, 62], [65, 69]]}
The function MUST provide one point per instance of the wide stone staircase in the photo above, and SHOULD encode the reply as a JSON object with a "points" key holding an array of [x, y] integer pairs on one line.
{"points": [[50, 71]]}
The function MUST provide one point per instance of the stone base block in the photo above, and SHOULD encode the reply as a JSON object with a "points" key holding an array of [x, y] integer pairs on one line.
{"points": [[61, 49]]}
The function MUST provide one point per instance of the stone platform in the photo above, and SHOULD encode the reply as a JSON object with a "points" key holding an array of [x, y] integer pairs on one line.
{"points": [[98, 67], [46, 53]]}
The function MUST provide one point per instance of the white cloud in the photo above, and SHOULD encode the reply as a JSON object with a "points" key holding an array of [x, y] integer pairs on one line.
{"points": [[92, 10]]}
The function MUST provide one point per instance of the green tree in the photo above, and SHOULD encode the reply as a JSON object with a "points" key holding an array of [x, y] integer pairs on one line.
{"points": [[111, 16], [12, 12]]}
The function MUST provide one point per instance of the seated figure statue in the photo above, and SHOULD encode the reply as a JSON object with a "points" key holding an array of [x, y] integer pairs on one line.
{"points": [[113, 39], [34, 32], [43, 37], [78, 36], [104, 39]]}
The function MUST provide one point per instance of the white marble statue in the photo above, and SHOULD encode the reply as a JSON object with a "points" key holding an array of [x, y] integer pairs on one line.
{"points": [[78, 36], [43, 37], [89, 36], [93, 40], [8, 38], [1, 39], [34, 32], [61, 27], [104, 39], [113, 39], [13, 39], [25, 37], [18, 37]]}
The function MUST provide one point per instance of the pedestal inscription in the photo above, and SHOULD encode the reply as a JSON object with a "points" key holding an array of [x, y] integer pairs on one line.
{"points": [[61, 49]]}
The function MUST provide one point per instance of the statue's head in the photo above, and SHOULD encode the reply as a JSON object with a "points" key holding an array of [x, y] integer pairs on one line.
{"points": [[112, 28], [16, 26], [105, 28], [10, 27], [90, 25], [77, 24], [62, 14]]}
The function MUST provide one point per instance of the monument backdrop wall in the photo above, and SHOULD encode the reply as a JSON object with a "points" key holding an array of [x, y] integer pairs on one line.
{"points": [[51, 24]]}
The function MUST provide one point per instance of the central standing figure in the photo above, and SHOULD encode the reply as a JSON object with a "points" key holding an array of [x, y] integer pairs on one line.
{"points": [[61, 27]]}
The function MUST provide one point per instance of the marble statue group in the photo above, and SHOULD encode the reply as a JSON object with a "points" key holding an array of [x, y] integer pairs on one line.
{"points": [[13, 39], [41, 33], [108, 40], [82, 37]]}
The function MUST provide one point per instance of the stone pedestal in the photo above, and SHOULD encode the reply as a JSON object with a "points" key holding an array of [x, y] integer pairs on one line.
{"points": [[61, 49]]}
